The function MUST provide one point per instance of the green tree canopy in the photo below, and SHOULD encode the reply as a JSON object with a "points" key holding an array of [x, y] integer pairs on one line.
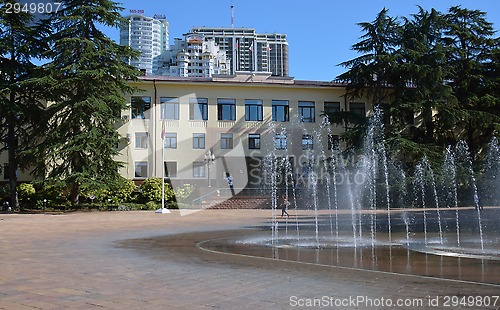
{"points": [[86, 79]]}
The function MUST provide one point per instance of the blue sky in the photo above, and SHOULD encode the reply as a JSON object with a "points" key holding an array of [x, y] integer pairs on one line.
{"points": [[319, 32]]}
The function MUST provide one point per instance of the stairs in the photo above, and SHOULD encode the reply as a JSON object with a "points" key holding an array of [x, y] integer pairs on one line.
{"points": [[238, 202]]}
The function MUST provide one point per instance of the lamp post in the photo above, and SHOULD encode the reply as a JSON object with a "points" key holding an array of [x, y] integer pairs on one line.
{"points": [[209, 158]]}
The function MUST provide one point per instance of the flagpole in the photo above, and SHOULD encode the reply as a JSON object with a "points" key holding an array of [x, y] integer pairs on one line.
{"points": [[163, 134], [163, 169]]}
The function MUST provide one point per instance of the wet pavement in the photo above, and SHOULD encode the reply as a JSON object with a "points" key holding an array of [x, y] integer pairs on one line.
{"points": [[131, 260]]}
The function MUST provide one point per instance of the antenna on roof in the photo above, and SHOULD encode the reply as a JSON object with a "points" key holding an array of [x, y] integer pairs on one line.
{"points": [[232, 13]]}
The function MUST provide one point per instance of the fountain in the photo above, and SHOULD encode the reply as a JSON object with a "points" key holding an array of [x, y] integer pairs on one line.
{"points": [[367, 205]]}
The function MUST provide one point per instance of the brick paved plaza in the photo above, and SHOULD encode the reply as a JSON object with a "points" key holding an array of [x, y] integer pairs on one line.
{"points": [[84, 261]]}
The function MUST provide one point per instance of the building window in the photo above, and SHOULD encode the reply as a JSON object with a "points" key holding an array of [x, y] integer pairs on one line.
{"points": [[170, 169], [332, 107], [280, 142], [307, 142], [198, 140], [169, 108], [198, 109], [253, 110], [226, 109], [254, 141], [170, 140], [280, 111], [140, 105], [357, 108], [226, 141], [141, 140], [333, 142], [141, 169], [307, 111], [198, 169]]}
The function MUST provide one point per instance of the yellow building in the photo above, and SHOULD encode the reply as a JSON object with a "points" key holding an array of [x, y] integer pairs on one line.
{"points": [[223, 125], [204, 129]]}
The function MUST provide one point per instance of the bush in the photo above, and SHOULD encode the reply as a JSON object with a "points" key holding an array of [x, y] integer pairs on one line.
{"points": [[26, 192], [52, 191], [151, 190], [122, 190]]}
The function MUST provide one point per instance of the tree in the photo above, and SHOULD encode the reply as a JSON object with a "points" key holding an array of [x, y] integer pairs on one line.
{"points": [[21, 41], [87, 79], [370, 74], [420, 88], [470, 51]]}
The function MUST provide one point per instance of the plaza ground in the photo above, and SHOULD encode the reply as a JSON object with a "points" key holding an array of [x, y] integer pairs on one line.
{"points": [[116, 260]]}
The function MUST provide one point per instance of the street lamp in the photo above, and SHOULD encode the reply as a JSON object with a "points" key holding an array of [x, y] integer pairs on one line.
{"points": [[209, 159]]}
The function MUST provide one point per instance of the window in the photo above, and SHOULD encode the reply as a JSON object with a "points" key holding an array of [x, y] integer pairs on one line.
{"points": [[333, 142], [141, 140], [198, 169], [253, 110], [280, 111], [226, 109], [332, 107], [307, 111], [140, 105], [307, 142], [226, 141], [169, 108], [198, 109], [198, 140], [170, 140], [254, 141], [357, 108], [280, 142], [141, 169], [170, 169]]}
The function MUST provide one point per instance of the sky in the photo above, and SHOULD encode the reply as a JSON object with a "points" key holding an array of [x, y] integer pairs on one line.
{"points": [[320, 33]]}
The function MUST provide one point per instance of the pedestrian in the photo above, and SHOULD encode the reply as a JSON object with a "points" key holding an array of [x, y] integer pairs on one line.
{"points": [[229, 180], [285, 206]]}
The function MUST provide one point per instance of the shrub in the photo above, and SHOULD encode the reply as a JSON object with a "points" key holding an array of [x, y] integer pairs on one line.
{"points": [[26, 192], [151, 190], [122, 190]]}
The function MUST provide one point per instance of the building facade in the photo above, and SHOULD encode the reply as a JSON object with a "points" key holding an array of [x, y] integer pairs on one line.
{"points": [[200, 129], [149, 35], [251, 51], [193, 57]]}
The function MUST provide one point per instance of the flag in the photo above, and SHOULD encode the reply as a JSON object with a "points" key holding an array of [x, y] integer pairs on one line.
{"points": [[236, 46], [163, 129], [251, 47]]}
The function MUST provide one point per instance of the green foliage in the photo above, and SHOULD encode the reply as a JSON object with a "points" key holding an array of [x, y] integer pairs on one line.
{"points": [[54, 191], [26, 192], [151, 190], [442, 68], [87, 78], [21, 41], [122, 189]]}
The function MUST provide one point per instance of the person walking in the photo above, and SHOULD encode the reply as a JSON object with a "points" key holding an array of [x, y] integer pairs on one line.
{"points": [[285, 206], [229, 180]]}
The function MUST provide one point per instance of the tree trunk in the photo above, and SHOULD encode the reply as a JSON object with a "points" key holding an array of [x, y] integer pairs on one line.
{"points": [[12, 145]]}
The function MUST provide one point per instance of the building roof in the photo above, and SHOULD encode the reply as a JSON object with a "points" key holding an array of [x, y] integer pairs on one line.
{"points": [[247, 78]]}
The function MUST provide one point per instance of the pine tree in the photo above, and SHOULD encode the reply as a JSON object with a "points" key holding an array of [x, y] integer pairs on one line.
{"points": [[470, 51], [87, 77], [370, 74], [21, 41]]}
